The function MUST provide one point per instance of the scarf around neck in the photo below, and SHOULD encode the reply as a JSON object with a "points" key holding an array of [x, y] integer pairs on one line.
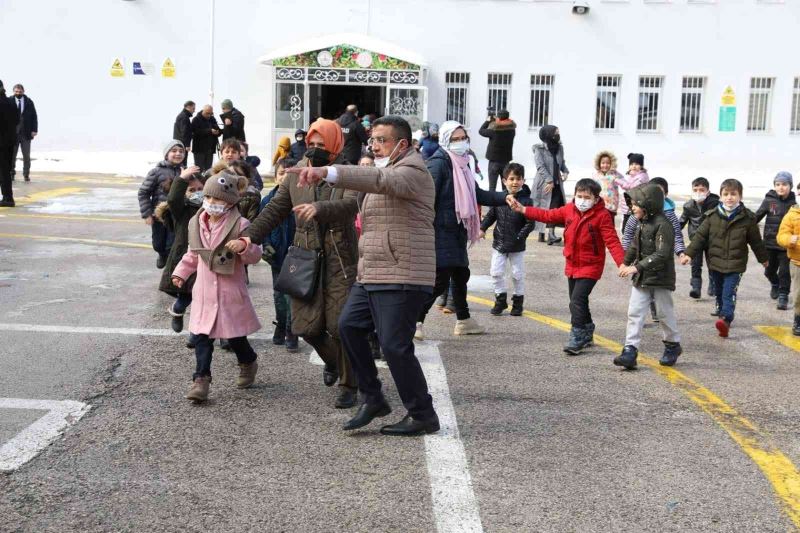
{"points": [[466, 202]]}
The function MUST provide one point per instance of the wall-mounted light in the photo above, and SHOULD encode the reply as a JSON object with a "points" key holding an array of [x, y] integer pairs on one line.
{"points": [[580, 8]]}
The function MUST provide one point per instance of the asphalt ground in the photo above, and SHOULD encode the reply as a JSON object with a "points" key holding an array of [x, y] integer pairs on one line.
{"points": [[550, 442]]}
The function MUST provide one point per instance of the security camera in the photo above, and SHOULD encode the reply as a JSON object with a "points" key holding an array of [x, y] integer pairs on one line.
{"points": [[580, 8]]}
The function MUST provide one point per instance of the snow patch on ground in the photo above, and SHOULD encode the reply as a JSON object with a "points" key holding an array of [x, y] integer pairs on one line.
{"points": [[121, 164], [104, 200]]}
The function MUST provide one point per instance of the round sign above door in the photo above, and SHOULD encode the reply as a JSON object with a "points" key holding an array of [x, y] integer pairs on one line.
{"points": [[364, 59], [324, 59]]}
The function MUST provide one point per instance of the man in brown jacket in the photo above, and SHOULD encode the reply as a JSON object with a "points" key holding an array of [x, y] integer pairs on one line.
{"points": [[396, 272]]}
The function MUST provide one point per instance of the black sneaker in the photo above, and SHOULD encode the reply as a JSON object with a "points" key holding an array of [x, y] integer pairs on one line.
{"points": [[773, 292], [627, 358], [292, 345], [716, 311], [694, 293], [672, 350], [783, 302], [161, 262], [7, 203], [796, 326]]}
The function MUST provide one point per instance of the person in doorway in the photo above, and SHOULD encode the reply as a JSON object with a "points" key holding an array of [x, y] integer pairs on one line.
{"points": [[355, 136], [501, 132], [232, 122], [205, 131], [775, 206], [298, 149], [430, 139], [182, 129], [9, 118], [551, 173], [27, 129]]}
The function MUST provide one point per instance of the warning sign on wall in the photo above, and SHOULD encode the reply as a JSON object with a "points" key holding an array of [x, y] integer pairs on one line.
{"points": [[168, 69], [728, 96], [117, 69]]}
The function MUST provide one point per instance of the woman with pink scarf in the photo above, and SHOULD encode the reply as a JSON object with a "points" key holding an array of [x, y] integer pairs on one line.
{"points": [[457, 222]]}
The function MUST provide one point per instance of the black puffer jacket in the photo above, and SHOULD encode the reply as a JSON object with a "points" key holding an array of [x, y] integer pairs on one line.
{"points": [[501, 139], [511, 229], [355, 137], [694, 213], [651, 250], [774, 208], [236, 128]]}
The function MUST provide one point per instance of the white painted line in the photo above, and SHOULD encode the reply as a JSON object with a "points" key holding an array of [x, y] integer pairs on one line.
{"points": [[26, 444], [315, 359], [44, 328]]}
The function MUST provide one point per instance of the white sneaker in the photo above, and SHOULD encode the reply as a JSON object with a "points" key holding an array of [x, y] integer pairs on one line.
{"points": [[468, 327], [419, 334]]}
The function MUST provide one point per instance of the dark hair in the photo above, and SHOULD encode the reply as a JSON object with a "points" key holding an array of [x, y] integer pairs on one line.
{"points": [[516, 168], [244, 145], [188, 103], [245, 168], [733, 184], [588, 185], [399, 125], [231, 143], [502, 114], [701, 182], [19, 86], [368, 156], [286, 162], [661, 182]]}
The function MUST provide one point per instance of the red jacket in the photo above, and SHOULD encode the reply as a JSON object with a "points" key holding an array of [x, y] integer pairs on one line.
{"points": [[586, 236]]}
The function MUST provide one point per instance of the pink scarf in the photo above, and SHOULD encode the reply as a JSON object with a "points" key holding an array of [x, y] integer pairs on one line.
{"points": [[466, 202]]}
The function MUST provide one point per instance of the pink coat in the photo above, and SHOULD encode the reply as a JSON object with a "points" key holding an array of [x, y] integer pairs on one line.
{"points": [[626, 183], [221, 306]]}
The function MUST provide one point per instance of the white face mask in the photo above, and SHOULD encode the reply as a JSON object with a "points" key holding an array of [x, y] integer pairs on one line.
{"points": [[731, 208], [583, 204], [699, 197], [214, 209], [459, 147], [383, 162]]}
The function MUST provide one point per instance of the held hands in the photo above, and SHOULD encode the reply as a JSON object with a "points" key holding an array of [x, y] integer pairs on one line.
{"points": [[482, 234], [188, 172], [305, 212], [149, 220], [238, 246], [514, 204], [178, 282], [684, 259], [308, 176], [625, 271]]}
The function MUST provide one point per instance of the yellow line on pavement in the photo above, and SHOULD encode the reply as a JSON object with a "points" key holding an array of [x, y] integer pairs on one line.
{"points": [[782, 334], [45, 195], [776, 467], [64, 217], [73, 239]]}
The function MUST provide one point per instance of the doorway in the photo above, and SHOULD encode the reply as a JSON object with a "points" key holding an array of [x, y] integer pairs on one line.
{"points": [[330, 101]]}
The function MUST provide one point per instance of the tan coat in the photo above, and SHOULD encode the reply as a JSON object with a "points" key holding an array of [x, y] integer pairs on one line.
{"points": [[397, 243]]}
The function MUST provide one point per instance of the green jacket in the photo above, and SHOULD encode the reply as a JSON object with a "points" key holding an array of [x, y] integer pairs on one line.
{"points": [[727, 240], [651, 250]]}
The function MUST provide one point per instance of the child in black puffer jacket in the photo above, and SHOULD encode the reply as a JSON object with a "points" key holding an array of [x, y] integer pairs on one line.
{"points": [[511, 230], [776, 204]]}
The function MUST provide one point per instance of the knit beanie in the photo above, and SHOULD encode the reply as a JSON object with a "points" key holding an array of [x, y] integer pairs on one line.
{"points": [[636, 158], [225, 186], [226, 104], [784, 177], [172, 144], [502, 114]]}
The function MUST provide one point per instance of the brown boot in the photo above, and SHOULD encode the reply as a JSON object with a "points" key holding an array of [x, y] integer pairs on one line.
{"points": [[199, 391], [247, 374]]}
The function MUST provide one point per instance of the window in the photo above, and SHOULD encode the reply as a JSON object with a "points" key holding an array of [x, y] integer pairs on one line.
{"points": [[499, 89], [289, 105], [457, 84], [649, 100], [605, 116], [692, 103], [759, 107], [795, 127], [541, 90]]}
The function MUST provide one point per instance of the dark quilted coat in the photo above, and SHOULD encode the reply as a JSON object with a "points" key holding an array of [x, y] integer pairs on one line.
{"points": [[652, 247], [727, 239], [774, 208], [511, 229], [177, 219]]}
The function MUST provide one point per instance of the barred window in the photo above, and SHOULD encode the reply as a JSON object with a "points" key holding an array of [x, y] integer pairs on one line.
{"points": [[457, 86], [692, 103], [605, 117], [499, 91], [649, 102], [759, 108], [795, 126], [541, 91]]}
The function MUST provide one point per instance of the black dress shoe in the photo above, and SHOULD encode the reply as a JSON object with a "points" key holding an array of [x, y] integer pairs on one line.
{"points": [[346, 399], [7, 203], [366, 414], [410, 427], [161, 262], [329, 376]]}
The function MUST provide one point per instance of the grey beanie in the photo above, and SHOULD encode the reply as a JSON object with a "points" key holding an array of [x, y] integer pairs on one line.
{"points": [[225, 186], [172, 144], [783, 177], [226, 104]]}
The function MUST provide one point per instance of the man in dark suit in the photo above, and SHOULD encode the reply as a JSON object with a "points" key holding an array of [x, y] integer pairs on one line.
{"points": [[233, 122], [27, 129], [182, 130], [205, 131], [9, 118]]}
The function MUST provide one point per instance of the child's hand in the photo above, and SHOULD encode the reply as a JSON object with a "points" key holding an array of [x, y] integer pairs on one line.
{"points": [[236, 246], [625, 271], [765, 263], [178, 282], [482, 235], [685, 259], [514, 204], [188, 172], [149, 220]]}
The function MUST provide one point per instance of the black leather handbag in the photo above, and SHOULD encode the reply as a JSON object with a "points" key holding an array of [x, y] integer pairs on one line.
{"points": [[301, 270]]}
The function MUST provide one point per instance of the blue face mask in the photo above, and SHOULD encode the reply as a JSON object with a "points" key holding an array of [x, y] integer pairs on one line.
{"points": [[196, 198]]}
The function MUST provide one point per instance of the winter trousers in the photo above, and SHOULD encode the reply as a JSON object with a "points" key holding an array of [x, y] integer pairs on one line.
{"points": [[6, 166], [182, 302], [796, 279], [697, 272], [639, 309], [204, 349], [204, 160], [498, 271], [332, 352], [727, 285], [283, 305], [456, 278], [162, 238], [777, 271], [495, 172], [579, 291], [25, 145]]}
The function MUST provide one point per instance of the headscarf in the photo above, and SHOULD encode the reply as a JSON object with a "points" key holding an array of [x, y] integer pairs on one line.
{"points": [[467, 212], [331, 134], [546, 134], [284, 144]]}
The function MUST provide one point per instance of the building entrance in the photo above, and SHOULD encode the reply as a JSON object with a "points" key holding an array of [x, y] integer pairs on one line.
{"points": [[330, 101]]}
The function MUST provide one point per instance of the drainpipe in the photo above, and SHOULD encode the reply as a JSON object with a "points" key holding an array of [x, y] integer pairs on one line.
{"points": [[211, 55]]}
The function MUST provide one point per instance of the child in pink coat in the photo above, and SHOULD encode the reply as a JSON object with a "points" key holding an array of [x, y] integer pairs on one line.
{"points": [[221, 306], [636, 175]]}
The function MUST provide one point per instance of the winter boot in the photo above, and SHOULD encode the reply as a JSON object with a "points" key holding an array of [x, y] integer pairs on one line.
{"points": [[199, 391], [516, 304], [627, 358], [161, 262], [247, 374], [723, 327], [292, 346], [576, 342], [191, 341], [500, 303], [177, 319], [796, 326], [697, 288], [773, 292], [279, 335], [468, 326], [541, 237], [671, 352], [783, 302], [589, 330], [552, 239]]}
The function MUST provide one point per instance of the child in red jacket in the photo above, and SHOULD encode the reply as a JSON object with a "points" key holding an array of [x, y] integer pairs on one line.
{"points": [[589, 230]]}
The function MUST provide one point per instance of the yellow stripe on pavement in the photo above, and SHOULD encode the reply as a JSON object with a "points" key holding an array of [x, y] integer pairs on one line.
{"points": [[776, 467], [45, 195], [116, 244], [64, 217], [782, 334]]}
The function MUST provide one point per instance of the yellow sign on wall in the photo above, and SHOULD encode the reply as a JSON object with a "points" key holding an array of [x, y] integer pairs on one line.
{"points": [[729, 97], [168, 69], [117, 70]]}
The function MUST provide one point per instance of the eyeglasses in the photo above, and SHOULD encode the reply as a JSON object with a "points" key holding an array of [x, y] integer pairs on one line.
{"points": [[380, 140]]}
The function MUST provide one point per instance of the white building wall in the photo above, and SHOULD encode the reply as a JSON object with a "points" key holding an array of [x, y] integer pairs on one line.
{"points": [[62, 52]]}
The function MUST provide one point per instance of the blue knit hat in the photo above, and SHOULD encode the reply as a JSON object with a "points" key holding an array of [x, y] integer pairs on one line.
{"points": [[783, 177]]}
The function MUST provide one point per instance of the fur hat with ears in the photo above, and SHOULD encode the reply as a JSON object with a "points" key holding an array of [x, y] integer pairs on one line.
{"points": [[225, 186]]}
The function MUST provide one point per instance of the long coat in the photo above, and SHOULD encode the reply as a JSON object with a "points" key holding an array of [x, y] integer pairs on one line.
{"points": [[544, 175], [221, 306], [177, 219], [29, 120], [182, 129], [203, 141], [236, 129]]}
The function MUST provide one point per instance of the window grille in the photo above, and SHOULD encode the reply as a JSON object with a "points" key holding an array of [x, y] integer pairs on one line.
{"points": [[795, 127], [649, 101], [499, 91], [457, 85], [692, 103], [541, 92], [607, 96], [759, 107]]}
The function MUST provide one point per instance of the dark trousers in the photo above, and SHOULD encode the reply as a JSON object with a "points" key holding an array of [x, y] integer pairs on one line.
{"points": [[393, 316], [162, 238], [495, 171], [579, 291], [25, 144], [456, 278], [204, 160], [204, 349], [182, 302], [727, 285], [283, 307], [777, 271], [6, 165]]}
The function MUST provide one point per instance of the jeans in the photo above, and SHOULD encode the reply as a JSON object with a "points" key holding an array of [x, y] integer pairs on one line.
{"points": [[25, 144], [727, 285], [162, 238], [495, 171], [638, 308], [204, 349], [182, 301], [456, 278], [579, 291], [777, 271], [498, 271]]}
